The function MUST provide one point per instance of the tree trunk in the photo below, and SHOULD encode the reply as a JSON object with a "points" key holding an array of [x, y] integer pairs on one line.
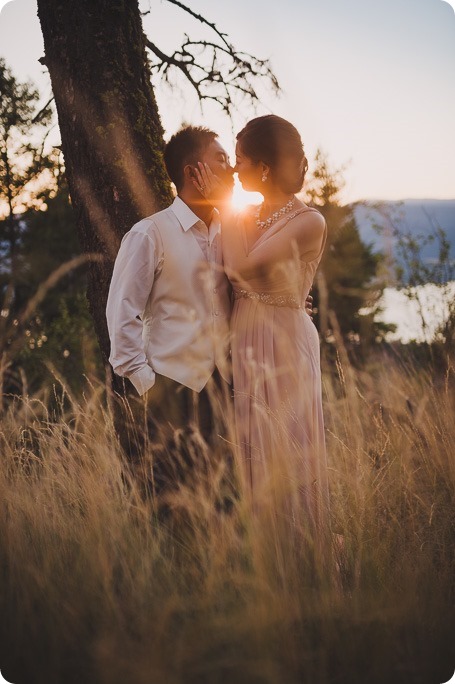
{"points": [[112, 139]]}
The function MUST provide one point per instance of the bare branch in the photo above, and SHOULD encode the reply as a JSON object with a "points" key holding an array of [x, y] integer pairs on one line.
{"points": [[203, 20], [42, 111], [214, 68]]}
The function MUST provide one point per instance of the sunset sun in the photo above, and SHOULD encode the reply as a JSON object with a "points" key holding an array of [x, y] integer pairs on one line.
{"points": [[241, 198]]}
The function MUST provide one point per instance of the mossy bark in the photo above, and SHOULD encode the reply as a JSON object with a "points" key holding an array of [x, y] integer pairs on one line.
{"points": [[112, 138]]}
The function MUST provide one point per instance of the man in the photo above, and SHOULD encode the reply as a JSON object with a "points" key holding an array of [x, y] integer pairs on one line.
{"points": [[169, 304]]}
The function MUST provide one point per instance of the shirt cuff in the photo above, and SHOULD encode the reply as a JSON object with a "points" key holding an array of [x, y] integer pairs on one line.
{"points": [[143, 379]]}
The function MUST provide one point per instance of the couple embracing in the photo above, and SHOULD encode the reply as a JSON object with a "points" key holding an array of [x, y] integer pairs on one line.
{"points": [[201, 297]]}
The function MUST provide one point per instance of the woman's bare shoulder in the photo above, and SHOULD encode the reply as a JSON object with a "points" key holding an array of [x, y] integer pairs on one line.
{"points": [[308, 229], [310, 217]]}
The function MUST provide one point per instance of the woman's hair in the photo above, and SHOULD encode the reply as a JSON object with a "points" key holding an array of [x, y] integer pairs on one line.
{"points": [[186, 147], [277, 143]]}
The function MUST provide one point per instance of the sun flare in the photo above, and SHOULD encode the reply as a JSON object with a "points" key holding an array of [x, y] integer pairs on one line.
{"points": [[241, 198]]}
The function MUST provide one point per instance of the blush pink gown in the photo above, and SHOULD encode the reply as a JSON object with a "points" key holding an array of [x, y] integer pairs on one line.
{"points": [[276, 361]]}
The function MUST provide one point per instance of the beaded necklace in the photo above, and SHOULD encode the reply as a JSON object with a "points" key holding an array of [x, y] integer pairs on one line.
{"points": [[263, 225]]}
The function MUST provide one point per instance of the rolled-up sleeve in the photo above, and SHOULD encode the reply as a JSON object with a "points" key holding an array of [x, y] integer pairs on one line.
{"points": [[136, 266]]}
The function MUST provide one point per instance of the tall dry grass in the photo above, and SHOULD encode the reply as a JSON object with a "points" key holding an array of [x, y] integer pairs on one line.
{"points": [[97, 587]]}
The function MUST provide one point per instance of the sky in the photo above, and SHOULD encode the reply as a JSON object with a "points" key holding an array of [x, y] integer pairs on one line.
{"points": [[372, 83]]}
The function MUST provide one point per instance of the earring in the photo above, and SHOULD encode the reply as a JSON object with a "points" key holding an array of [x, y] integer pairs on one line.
{"points": [[264, 177]]}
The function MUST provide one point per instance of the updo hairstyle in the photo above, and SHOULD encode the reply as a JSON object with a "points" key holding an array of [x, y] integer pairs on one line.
{"points": [[277, 143]]}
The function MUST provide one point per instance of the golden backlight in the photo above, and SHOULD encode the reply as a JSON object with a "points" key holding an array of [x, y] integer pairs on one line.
{"points": [[241, 198]]}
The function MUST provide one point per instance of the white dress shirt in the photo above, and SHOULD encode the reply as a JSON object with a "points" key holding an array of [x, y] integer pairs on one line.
{"points": [[169, 301]]}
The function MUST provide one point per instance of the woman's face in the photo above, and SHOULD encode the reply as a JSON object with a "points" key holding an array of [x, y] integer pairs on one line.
{"points": [[249, 172]]}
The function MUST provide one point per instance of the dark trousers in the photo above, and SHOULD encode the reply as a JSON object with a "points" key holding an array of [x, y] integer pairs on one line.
{"points": [[170, 406], [173, 434]]}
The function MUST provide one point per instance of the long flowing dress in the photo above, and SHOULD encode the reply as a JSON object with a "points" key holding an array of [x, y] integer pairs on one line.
{"points": [[276, 360]]}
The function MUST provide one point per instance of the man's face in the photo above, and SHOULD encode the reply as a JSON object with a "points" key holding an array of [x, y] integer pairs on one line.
{"points": [[217, 158]]}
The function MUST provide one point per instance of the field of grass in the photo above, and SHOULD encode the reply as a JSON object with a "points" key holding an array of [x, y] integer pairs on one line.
{"points": [[96, 587]]}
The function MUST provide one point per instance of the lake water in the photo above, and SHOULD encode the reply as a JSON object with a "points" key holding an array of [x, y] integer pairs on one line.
{"points": [[432, 301]]}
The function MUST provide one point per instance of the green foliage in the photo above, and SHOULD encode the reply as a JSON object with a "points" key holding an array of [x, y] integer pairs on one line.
{"points": [[59, 338], [25, 170], [49, 238], [350, 267], [23, 161], [62, 345], [37, 235], [347, 288]]}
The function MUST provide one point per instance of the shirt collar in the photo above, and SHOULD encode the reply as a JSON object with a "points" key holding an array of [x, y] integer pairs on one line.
{"points": [[188, 218]]}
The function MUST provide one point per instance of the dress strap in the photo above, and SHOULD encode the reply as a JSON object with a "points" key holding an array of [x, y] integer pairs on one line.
{"points": [[303, 210]]}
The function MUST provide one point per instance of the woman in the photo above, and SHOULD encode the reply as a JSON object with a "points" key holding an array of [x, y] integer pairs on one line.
{"points": [[271, 254]]}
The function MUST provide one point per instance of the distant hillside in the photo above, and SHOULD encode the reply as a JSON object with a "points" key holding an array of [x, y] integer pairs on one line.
{"points": [[412, 215]]}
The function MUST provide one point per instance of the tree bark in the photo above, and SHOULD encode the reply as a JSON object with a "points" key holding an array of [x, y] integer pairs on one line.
{"points": [[112, 138]]}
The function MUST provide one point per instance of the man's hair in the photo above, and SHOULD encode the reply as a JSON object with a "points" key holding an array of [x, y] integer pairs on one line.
{"points": [[186, 147]]}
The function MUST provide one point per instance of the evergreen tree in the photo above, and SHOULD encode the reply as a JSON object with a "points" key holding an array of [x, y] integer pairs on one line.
{"points": [[59, 338], [39, 324], [347, 279], [25, 170]]}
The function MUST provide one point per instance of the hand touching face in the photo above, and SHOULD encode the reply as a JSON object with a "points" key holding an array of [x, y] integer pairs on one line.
{"points": [[218, 161], [214, 175]]}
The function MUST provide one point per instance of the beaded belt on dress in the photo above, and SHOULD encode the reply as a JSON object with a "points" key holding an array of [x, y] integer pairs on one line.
{"points": [[265, 298]]}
